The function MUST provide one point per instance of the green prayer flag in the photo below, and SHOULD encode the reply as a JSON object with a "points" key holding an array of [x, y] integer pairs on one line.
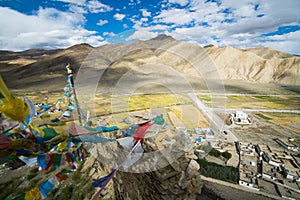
{"points": [[20, 197], [55, 120], [7, 159], [56, 161], [49, 133], [159, 120]]}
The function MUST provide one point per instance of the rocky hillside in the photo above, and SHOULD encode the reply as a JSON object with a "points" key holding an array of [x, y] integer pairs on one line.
{"points": [[42, 69]]}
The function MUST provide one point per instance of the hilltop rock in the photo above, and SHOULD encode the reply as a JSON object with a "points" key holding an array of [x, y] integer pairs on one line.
{"points": [[176, 177]]}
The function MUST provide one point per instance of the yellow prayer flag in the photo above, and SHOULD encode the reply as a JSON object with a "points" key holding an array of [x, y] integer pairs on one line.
{"points": [[33, 194], [15, 109], [61, 146], [12, 107]]}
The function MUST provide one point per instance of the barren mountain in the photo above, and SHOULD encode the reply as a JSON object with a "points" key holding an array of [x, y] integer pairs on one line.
{"points": [[256, 64], [45, 69]]}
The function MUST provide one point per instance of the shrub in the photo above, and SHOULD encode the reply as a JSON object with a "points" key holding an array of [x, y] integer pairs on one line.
{"points": [[213, 170], [226, 155], [215, 153]]}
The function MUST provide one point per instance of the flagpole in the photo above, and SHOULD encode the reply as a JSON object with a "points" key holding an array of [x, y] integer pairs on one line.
{"points": [[70, 76]]}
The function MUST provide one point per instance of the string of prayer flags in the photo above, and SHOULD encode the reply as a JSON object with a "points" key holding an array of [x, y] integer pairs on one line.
{"points": [[95, 139]]}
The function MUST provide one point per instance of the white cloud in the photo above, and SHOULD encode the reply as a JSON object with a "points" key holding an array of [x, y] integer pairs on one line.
{"points": [[180, 2], [175, 16], [145, 13], [109, 34], [77, 9], [48, 28], [142, 35], [102, 22], [81, 6], [232, 23], [228, 22], [78, 2], [96, 6], [287, 43], [119, 16]]}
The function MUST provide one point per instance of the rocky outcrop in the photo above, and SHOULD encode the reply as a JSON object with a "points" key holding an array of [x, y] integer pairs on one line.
{"points": [[167, 170]]}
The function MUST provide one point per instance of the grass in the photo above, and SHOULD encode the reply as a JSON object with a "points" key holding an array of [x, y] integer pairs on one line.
{"points": [[148, 101], [263, 116], [176, 111], [271, 116], [267, 102], [205, 98], [272, 105], [268, 99], [236, 98], [187, 120], [284, 115]]}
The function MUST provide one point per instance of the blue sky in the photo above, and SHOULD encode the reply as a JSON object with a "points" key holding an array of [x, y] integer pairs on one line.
{"points": [[53, 24]]}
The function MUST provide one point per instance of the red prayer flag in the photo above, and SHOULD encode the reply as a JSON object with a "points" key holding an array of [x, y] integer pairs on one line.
{"points": [[77, 130], [61, 177], [50, 162], [139, 134], [4, 141]]}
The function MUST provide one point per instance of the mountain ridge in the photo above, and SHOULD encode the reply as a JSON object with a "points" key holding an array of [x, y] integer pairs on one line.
{"points": [[46, 67]]}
